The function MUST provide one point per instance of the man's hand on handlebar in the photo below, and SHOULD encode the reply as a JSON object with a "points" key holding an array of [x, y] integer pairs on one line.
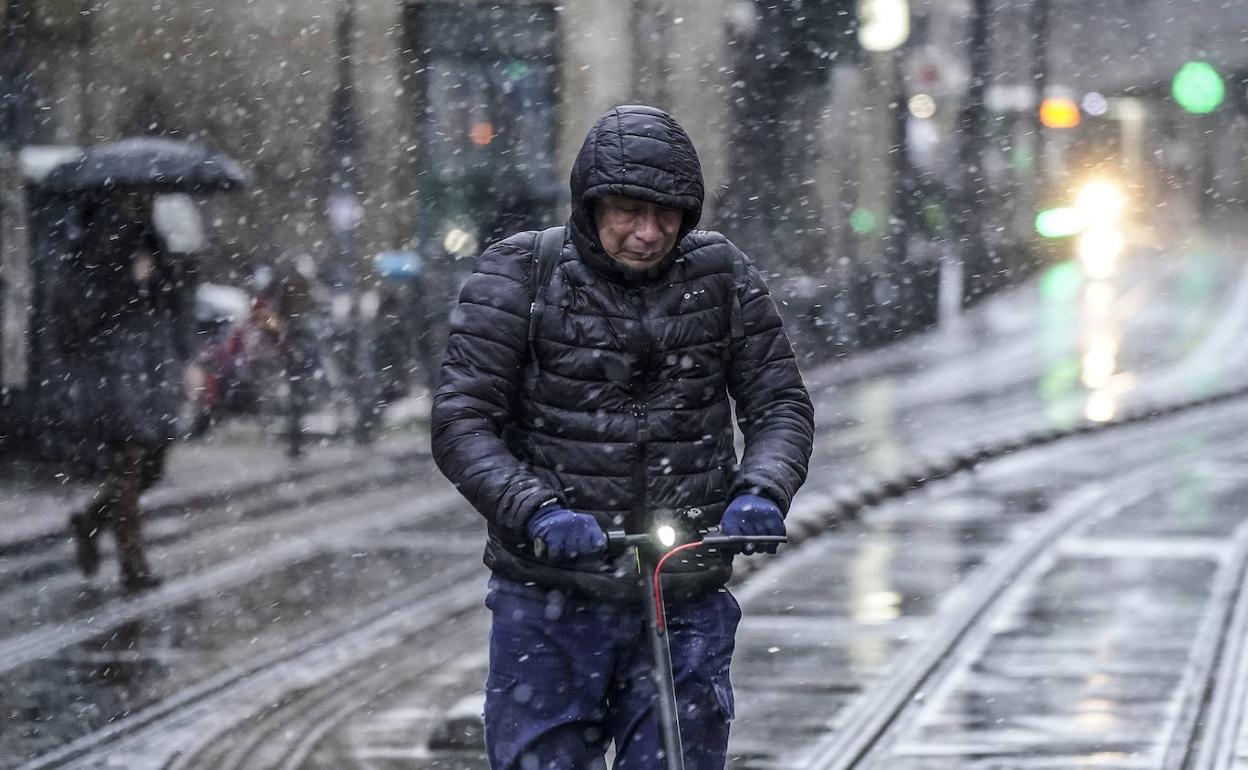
{"points": [[751, 515], [561, 535], [565, 535]]}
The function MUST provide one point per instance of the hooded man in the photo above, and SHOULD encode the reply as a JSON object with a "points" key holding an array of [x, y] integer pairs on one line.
{"points": [[614, 413]]}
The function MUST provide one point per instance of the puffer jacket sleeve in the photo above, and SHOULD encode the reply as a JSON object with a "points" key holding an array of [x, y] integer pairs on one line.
{"points": [[481, 374], [774, 409]]}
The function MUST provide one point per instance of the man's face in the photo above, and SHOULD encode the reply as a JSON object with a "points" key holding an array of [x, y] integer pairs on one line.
{"points": [[637, 233]]}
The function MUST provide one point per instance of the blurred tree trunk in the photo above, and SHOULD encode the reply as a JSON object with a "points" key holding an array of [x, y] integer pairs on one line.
{"points": [[972, 140], [1040, 81], [15, 286], [16, 92], [16, 102]]}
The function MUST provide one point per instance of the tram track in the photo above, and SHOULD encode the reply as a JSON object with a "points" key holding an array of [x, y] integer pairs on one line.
{"points": [[1221, 714], [290, 733], [45, 557], [262, 548], [178, 722], [1206, 725], [859, 731]]}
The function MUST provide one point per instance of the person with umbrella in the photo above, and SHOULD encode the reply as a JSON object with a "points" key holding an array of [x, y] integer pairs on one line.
{"points": [[122, 327]]}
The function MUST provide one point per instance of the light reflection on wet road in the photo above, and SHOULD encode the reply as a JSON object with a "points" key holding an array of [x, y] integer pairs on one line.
{"points": [[1174, 326]]}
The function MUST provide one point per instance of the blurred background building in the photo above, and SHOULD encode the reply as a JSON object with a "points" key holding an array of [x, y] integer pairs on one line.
{"points": [[852, 146]]}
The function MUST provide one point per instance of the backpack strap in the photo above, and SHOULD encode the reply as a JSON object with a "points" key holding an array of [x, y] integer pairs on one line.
{"points": [[546, 251], [737, 322]]}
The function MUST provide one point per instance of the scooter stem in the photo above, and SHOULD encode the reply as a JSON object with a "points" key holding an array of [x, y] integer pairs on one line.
{"points": [[665, 687]]}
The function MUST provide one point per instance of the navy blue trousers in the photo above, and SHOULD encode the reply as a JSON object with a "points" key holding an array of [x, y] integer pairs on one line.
{"points": [[569, 676]]}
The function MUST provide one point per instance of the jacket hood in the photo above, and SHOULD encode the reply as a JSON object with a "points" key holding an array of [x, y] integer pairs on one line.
{"points": [[638, 152]]}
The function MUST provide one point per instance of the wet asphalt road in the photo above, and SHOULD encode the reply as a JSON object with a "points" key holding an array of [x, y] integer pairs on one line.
{"points": [[1061, 608], [1051, 610]]}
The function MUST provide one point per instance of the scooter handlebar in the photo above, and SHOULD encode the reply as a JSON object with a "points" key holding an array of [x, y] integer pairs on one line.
{"points": [[540, 549], [720, 541], [618, 541]]}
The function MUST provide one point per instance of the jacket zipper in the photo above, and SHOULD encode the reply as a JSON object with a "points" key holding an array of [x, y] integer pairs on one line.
{"points": [[640, 412]]}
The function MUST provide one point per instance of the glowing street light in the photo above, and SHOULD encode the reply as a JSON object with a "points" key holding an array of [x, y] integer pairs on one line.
{"points": [[922, 106], [1094, 104], [883, 25], [1100, 202], [1059, 112]]}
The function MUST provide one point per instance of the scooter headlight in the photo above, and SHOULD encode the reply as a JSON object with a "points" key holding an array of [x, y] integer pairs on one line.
{"points": [[666, 535]]}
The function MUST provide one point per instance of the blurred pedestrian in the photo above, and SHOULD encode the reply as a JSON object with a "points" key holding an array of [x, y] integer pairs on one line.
{"points": [[292, 301], [122, 330], [597, 400]]}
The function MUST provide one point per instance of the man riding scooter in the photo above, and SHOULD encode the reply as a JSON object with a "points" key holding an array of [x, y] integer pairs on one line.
{"points": [[586, 387]]}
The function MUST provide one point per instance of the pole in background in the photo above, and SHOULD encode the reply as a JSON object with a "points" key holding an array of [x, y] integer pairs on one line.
{"points": [[16, 91], [16, 127], [1040, 82], [83, 69], [972, 137], [884, 28], [344, 213]]}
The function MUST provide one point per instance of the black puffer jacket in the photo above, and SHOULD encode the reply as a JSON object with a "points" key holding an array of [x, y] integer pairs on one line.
{"points": [[623, 412]]}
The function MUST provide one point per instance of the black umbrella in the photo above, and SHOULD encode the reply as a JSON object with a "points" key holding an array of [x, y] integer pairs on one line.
{"points": [[163, 165]]}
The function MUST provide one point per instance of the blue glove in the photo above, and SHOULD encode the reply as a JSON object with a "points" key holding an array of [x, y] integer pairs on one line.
{"points": [[568, 535], [753, 515]]}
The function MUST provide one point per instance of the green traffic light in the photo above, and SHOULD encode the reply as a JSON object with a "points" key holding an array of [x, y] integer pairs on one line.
{"points": [[1198, 87], [1058, 222]]}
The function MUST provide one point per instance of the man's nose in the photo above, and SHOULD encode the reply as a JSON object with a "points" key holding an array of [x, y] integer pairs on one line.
{"points": [[648, 227]]}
